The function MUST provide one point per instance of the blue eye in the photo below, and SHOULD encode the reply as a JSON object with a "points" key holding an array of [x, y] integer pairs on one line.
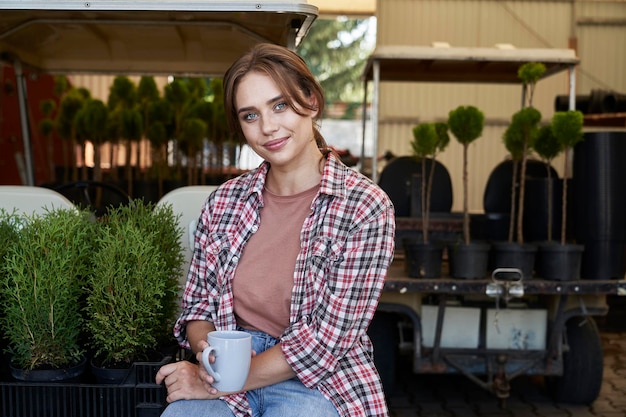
{"points": [[281, 106], [249, 116]]}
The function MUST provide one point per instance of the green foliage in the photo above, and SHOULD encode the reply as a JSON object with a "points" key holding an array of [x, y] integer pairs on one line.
{"points": [[47, 107], [519, 138], [70, 105], [133, 290], [336, 51], [147, 91], [547, 144], [567, 126], [10, 223], [92, 119], [122, 94], [42, 289], [158, 118], [522, 132], [531, 72], [132, 124], [466, 123], [442, 132], [424, 141], [177, 94], [428, 140], [66, 275], [193, 132], [61, 85]]}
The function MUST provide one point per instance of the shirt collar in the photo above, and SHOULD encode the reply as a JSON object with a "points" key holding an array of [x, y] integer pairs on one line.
{"points": [[333, 178]]}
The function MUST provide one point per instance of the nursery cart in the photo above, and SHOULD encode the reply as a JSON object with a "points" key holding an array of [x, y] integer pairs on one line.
{"points": [[494, 329]]}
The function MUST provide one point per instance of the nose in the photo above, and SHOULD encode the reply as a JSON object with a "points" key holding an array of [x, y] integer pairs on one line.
{"points": [[269, 124]]}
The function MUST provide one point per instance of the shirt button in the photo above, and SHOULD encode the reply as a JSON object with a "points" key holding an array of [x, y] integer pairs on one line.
{"points": [[235, 259], [255, 228]]}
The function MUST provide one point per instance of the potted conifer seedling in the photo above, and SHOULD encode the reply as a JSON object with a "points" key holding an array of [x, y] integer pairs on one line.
{"points": [[467, 259], [41, 294], [423, 258], [132, 288], [563, 261]]}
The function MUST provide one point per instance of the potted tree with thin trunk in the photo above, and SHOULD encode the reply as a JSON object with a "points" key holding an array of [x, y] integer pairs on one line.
{"points": [[519, 138], [563, 261], [423, 258], [467, 259], [548, 147]]}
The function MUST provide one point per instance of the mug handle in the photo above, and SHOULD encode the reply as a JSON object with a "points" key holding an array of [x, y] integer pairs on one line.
{"points": [[207, 364]]}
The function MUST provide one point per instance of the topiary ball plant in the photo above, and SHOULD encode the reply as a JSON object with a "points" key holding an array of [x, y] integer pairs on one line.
{"points": [[428, 140], [567, 127], [466, 124], [520, 136]]}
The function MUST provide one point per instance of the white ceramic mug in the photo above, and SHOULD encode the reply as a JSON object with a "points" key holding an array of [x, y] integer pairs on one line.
{"points": [[232, 350]]}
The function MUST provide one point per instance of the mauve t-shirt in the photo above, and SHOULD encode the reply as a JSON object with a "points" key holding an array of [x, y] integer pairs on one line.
{"points": [[264, 278]]}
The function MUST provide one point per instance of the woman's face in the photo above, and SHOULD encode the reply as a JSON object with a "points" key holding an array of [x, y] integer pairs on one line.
{"points": [[271, 127]]}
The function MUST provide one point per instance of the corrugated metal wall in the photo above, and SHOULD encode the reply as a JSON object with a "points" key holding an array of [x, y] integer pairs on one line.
{"points": [[598, 25]]}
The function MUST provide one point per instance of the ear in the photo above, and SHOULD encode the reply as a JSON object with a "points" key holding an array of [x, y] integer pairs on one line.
{"points": [[315, 106]]}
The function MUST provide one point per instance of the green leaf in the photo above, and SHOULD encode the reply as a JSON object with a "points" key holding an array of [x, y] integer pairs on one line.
{"points": [[466, 123]]}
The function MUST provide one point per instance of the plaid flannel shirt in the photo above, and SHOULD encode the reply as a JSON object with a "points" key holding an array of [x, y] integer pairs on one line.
{"points": [[347, 244]]}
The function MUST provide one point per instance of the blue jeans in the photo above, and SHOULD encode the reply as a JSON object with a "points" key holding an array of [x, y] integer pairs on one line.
{"points": [[285, 399]]}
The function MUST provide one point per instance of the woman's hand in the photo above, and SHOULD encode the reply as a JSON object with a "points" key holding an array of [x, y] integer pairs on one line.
{"points": [[182, 381], [186, 381]]}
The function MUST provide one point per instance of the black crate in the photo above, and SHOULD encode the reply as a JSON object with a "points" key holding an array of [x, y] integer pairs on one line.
{"points": [[137, 396]]}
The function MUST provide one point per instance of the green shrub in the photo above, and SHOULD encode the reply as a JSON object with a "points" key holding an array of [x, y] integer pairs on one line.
{"points": [[42, 288], [133, 289]]}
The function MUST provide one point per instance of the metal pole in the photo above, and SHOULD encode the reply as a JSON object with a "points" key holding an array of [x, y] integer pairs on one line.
{"points": [[375, 104], [572, 87], [361, 164], [22, 100]]}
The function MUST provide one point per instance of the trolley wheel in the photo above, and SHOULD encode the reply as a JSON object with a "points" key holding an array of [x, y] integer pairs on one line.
{"points": [[582, 364], [383, 331]]}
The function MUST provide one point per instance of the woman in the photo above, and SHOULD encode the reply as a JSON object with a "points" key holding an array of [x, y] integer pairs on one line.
{"points": [[294, 252]]}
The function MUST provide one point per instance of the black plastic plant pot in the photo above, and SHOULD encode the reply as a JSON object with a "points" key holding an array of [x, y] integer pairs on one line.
{"points": [[514, 255], [559, 262], [468, 261], [423, 260]]}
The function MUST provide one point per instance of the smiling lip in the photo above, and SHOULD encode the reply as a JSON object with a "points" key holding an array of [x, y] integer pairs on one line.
{"points": [[276, 144]]}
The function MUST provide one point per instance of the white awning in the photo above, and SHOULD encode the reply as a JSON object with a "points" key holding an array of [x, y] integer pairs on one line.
{"points": [[145, 37], [462, 64]]}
